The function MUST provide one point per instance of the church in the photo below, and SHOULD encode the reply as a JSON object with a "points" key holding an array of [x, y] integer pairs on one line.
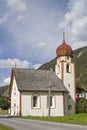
{"points": [[45, 92]]}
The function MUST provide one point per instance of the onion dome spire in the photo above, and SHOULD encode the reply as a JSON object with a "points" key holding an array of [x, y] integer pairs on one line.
{"points": [[64, 49]]}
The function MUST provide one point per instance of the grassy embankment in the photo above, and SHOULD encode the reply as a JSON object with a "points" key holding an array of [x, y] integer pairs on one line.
{"points": [[80, 119], [2, 127], [3, 112]]}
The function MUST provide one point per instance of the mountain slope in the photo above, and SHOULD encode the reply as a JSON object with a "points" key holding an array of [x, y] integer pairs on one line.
{"points": [[80, 59]]}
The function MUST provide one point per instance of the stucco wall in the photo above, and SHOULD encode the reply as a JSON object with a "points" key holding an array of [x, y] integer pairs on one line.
{"points": [[15, 99], [65, 70], [69, 82], [27, 108]]}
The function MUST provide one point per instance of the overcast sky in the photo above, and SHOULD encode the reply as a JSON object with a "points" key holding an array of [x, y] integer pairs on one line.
{"points": [[31, 30]]}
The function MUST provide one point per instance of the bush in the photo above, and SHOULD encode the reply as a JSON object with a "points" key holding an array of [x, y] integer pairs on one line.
{"points": [[81, 105], [4, 104]]}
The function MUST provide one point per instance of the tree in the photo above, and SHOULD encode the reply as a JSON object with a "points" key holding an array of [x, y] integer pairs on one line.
{"points": [[81, 105], [4, 104]]}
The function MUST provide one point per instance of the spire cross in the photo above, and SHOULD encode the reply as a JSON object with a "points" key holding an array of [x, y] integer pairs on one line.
{"points": [[15, 64], [63, 35]]}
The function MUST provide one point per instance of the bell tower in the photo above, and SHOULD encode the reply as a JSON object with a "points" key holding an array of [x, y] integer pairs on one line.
{"points": [[65, 70]]}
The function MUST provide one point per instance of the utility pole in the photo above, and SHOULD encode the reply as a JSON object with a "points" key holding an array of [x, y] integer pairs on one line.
{"points": [[49, 101], [49, 110], [49, 96]]}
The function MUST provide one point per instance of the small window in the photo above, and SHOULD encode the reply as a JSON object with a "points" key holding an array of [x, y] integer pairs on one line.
{"points": [[68, 85], [35, 101], [58, 69], [68, 68], [67, 58], [52, 102]]}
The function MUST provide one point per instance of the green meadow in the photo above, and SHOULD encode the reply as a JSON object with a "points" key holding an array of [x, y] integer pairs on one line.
{"points": [[80, 119], [2, 127]]}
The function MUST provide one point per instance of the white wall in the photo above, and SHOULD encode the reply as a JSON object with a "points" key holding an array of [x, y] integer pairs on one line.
{"points": [[43, 110], [69, 82], [68, 79], [15, 100]]}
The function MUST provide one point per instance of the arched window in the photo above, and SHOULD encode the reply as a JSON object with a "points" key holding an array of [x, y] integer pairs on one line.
{"points": [[35, 101], [68, 68], [52, 101]]}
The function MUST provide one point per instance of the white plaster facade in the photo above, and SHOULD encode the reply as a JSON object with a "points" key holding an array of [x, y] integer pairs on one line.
{"points": [[65, 70], [25, 108], [42, 110], [15, 100]]}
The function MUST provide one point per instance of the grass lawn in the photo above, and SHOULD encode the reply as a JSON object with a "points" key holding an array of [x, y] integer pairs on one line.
{"points": [[3, 112], [2, 127], [80, 119]]}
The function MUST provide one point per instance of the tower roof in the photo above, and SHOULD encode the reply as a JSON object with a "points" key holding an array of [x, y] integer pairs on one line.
{"points": [[64, 49]]}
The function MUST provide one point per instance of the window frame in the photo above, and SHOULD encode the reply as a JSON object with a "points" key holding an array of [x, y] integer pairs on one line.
{"points": [[35, 101], [52, 101], [68, 68], [58, 69]]}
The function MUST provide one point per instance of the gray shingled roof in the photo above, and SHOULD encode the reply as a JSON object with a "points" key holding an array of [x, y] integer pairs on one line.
{"points": [[37, 80]]}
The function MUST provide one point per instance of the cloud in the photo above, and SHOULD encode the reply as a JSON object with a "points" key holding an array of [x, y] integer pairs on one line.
{"points": [[41, 44], [19, 18], [4, 18], [36, 66], [75, 22], [14, 5], [18, 5], [9, 63], [6, 81], [33, 29], [35, 33]]}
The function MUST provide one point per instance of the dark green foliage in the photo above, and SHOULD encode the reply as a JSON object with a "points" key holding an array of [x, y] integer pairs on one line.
{"points": [[4, 104], [80, 60], [49, 65], [81, 105]]}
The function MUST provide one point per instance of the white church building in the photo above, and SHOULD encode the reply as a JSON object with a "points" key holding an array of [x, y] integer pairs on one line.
{"points": [[44, 92]]}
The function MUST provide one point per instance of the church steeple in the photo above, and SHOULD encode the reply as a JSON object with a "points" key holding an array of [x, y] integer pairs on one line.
{"points": [[65, 70], [64, 49]]}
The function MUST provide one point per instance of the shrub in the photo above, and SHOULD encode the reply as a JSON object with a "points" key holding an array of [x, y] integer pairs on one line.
{"points": [[81, 105], [4, 104]]}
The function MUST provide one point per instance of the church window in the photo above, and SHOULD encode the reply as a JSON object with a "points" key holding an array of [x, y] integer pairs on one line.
{"points": [[35, 101], [67, 58], [68, 68], [35, 98], [58, 69], [68, 85], [52, 101]]}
